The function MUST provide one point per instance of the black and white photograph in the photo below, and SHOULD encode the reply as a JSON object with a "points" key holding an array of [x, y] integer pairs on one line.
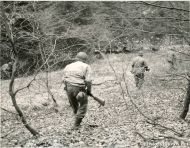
{"points": [[95, 74]]}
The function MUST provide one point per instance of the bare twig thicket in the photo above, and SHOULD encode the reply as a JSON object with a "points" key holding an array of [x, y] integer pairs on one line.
{"points": [[48, 63], [13, 92], [180, 12], [126, 94]]}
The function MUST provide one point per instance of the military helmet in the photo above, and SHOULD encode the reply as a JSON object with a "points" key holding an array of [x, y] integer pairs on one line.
{"points": [[82, 56], [140, 53]]}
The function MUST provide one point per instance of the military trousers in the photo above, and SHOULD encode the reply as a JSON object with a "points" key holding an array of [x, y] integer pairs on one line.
{"points": [[78, 100], [139, 80]]}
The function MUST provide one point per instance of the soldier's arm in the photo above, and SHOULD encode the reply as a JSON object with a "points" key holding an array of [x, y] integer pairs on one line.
{"points": [[133, 64], [146, 66]]}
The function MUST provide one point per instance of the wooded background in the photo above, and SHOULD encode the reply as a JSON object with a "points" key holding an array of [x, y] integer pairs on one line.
{"points": [[88, 26], [40, 38]]}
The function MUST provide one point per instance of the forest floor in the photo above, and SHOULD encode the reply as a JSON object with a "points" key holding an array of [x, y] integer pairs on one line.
{"points": [[133, 118]]}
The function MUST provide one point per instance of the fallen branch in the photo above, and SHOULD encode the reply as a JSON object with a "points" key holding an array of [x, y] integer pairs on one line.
{"points": [[162, 137], [140, 135], [186, 140], [170, 129], [8, 133]]}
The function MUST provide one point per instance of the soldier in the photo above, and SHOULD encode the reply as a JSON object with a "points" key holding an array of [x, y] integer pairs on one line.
{"points": [[77, 79], [172, 60], [7, 69], [139, 66]]}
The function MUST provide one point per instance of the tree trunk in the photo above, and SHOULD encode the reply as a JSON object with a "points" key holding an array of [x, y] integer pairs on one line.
{"points": [[13, 98], [186, 103]]}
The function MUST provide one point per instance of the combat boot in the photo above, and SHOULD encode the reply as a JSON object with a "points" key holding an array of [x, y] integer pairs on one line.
{"points": [[77, 124]]}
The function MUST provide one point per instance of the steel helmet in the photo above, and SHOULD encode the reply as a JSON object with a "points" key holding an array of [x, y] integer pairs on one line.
{"points": [[81, 56], [140, 53]]}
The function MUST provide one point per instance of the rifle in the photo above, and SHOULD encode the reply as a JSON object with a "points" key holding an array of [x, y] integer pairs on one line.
{"points": [[100, 101]]}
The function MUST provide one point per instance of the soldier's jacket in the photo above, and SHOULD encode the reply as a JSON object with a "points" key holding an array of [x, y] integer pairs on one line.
{"points": [[139, 65], [5, 67], [77, 73]]}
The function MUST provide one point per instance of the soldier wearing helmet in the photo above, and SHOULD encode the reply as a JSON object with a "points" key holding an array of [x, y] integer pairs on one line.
{"points": [[77, 79], [172, 60], [7, 70], [139, 66]]}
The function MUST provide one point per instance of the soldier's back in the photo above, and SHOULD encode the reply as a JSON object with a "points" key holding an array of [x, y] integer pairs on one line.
{"points": [[138, 62], [4, 67]]}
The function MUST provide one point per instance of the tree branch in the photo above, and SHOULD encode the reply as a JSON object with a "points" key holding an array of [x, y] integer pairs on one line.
{"points": [[151, 18], [27, 86], [186, 140], [169, 8]]}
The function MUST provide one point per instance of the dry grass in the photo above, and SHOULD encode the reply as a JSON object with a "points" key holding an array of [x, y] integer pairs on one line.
{"points": [[118, 122]]}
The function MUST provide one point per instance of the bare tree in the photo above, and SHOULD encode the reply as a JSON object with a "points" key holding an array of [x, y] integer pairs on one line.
{"points": [[15, 56], [187, 100]]}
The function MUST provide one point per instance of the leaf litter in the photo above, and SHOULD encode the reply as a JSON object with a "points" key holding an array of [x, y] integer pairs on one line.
{"points": [[118, 124]]}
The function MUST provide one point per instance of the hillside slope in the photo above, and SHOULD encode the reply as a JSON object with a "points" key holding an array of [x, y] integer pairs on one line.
{"points": [[119, 123]]}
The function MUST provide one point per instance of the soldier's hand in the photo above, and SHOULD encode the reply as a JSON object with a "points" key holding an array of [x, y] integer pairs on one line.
{"points": [[88, 92], [147, 69]]}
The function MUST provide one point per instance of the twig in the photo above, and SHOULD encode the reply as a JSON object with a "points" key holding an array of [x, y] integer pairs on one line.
{"points": [[157, 124], [8, 133], [9, 111], [150, 18], [140, 135], [176, 138], [50, 93], [170, 8], [27, 86]]}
